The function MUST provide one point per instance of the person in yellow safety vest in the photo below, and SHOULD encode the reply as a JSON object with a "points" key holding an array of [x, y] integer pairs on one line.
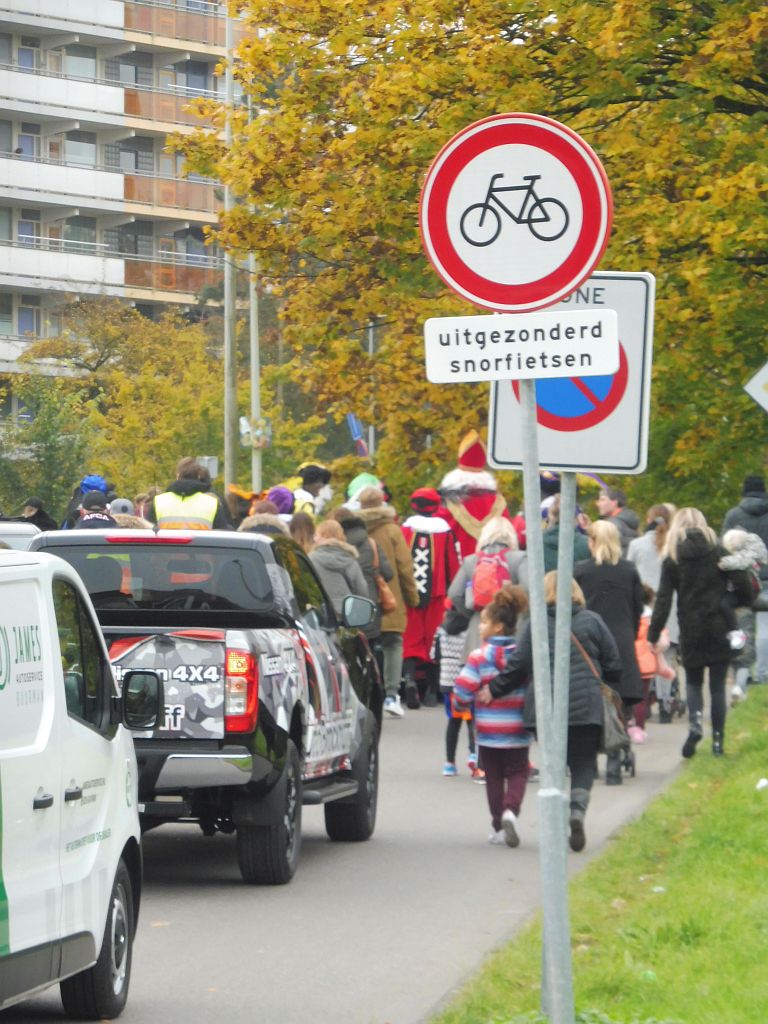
{"points": [[314, 492], [189, 503]]}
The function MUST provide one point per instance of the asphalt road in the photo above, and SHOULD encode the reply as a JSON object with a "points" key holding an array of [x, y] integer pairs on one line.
{"points": [[374, 933]]}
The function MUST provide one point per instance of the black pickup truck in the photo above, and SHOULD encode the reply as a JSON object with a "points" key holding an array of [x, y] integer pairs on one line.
{"points": [[270, 701]]}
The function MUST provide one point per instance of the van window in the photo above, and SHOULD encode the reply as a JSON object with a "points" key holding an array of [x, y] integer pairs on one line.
{"points": [[80, 655]]}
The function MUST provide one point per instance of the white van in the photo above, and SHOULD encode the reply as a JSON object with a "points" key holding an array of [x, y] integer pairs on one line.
{"points": [[70, 859], [17, 535]]}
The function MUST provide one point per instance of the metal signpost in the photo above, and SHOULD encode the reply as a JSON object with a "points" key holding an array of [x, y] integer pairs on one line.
{"points": [[515, 214]]}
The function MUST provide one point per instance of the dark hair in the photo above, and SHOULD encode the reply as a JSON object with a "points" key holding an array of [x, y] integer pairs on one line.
{"points": [[658, 516], [190, 469], [264, 506], [506, 606], [649, 595], [617, 495]]}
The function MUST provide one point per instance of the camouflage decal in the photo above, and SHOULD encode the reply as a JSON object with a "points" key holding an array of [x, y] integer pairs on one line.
{"points": [[192, 672]]}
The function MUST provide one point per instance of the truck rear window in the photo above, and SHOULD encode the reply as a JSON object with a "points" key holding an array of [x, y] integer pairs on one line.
{"points": [[154, 577]]}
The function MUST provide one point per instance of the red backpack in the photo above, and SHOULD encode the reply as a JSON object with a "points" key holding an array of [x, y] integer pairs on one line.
{"points": [[490, 572]]}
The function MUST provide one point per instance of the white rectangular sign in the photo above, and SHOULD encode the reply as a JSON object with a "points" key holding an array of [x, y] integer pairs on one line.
{"points": [[757, 387], [589, 423], [521, 346]]}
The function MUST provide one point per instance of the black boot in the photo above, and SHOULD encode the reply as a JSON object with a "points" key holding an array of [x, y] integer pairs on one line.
{"points": [[689, 747], [579, 802], [717, 744], [411, 689]]}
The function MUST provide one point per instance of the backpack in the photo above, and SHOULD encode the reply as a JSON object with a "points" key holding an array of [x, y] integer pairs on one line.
{"points": [[490, 572]]}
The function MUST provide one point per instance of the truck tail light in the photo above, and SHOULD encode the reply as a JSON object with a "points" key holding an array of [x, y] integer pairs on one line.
{"points": [[241, 691]]}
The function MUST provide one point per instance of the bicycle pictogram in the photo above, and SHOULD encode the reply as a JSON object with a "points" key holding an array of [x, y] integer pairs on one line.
{"points": [[545, 217]]}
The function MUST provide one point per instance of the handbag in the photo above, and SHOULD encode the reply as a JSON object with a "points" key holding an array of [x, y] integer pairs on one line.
{"points": [[613, 736], [387, 600]]}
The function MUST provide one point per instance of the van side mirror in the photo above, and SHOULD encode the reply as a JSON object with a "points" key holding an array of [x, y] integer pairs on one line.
{"points": [[357, 612], [142, 701]]}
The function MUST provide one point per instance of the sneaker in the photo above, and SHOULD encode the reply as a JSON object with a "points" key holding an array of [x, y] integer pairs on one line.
{"points": [[449, 769], [478, 775], [498, 838], [533, 773], [737, 638], [392, 706], [509, 826], [717, 744], [738, 695], [665, 716], [636, 734]]}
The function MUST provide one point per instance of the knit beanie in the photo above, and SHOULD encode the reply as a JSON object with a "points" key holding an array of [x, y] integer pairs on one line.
{"points": [[753, 485]]}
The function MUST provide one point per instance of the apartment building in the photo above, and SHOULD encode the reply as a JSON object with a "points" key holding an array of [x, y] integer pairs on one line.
{"points": [[90, 202]]}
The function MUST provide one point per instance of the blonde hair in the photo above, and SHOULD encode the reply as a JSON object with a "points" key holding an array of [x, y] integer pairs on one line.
{"points": [[550, 590], [683, 520], [604, 542], [497, 531], [329, 529]]}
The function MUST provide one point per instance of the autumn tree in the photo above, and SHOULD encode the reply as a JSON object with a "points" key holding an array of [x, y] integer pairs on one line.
{"points": [[352, 100]]}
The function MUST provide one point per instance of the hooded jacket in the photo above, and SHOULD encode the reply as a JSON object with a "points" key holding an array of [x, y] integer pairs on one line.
{"points": [[337, 566], [700, 587], [626, 522], [751, 514]]}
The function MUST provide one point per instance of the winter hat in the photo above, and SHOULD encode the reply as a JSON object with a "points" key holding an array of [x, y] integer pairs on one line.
{"points": [[94, 500], [425, 499], [93, 482], [33, 503], [472, 455], [282, 498], [122, 505], [359, 482], [753, 485]]}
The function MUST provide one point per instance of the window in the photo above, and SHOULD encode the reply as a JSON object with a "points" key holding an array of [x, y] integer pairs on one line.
{"points": [[6, 137], [5, 224], [29, 315], [306, 586], [6, 313], [29, 228], [29, 141], [5, 48], [80, 61], [80, 234], [81, 148], [81, 657], [29, 53]]}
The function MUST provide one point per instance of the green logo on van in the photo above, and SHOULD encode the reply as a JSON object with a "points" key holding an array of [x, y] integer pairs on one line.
{"points": [[5, 658]]}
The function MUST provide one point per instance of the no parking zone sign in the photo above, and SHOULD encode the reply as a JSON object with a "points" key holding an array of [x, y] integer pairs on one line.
{"points": [[590, 423]]}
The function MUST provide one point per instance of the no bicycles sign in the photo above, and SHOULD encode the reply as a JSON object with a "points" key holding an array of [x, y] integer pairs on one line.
{"points": [[515, 212]]}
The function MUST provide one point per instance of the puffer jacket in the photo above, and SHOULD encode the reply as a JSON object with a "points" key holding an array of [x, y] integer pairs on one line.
{"points": [[339, 571], [701, 587], [751, 514], [382, 528], [585, 700]]}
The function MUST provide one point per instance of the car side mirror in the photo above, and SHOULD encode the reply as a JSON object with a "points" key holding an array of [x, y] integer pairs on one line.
{"points": [[357, 612], [142, 701]]}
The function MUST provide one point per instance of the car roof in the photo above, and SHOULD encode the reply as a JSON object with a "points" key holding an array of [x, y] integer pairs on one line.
{"points": [[115, 538], [18, 535]]}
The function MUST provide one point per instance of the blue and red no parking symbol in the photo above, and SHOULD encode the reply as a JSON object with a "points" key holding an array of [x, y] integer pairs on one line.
{"points": [[576, 403]]}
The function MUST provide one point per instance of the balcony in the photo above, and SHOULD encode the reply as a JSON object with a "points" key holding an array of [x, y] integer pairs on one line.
{"points": [[205, 26], [101, 187], [86, 97], [66, 265]]}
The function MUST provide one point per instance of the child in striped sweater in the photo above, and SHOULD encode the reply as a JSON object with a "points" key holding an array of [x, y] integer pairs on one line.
{"points": [[501, 736]]}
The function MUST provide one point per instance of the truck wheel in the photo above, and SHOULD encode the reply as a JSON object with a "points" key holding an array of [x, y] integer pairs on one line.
{"points": [[354, 821], [101, 992], [269, 854]]}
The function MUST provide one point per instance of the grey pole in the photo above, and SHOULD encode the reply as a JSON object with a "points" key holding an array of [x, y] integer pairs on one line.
{"points": [[371, 427], [230, 302], [253, 293], [562, 659], [557, 987]]}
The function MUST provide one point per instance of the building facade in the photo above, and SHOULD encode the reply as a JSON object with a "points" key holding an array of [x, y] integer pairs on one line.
{"points": [[90, 201]]}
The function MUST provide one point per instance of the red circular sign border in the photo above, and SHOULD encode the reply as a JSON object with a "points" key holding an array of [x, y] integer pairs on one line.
{"points": [[445, 167], [588, 419]]}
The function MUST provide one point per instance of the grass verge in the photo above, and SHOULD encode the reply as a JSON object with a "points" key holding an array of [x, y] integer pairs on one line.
{"points": [[671, 923]]}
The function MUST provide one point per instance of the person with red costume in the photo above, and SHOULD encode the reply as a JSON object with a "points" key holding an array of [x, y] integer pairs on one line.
{"points": [[471, 495], [435, 557]]}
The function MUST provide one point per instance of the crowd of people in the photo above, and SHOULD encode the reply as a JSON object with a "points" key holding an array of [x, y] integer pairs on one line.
{"points": [[653, 606]]}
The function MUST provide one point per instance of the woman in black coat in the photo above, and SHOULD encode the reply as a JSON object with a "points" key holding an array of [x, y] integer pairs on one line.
{"points": [[613, 590], [585, 700], [690, 568]]}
